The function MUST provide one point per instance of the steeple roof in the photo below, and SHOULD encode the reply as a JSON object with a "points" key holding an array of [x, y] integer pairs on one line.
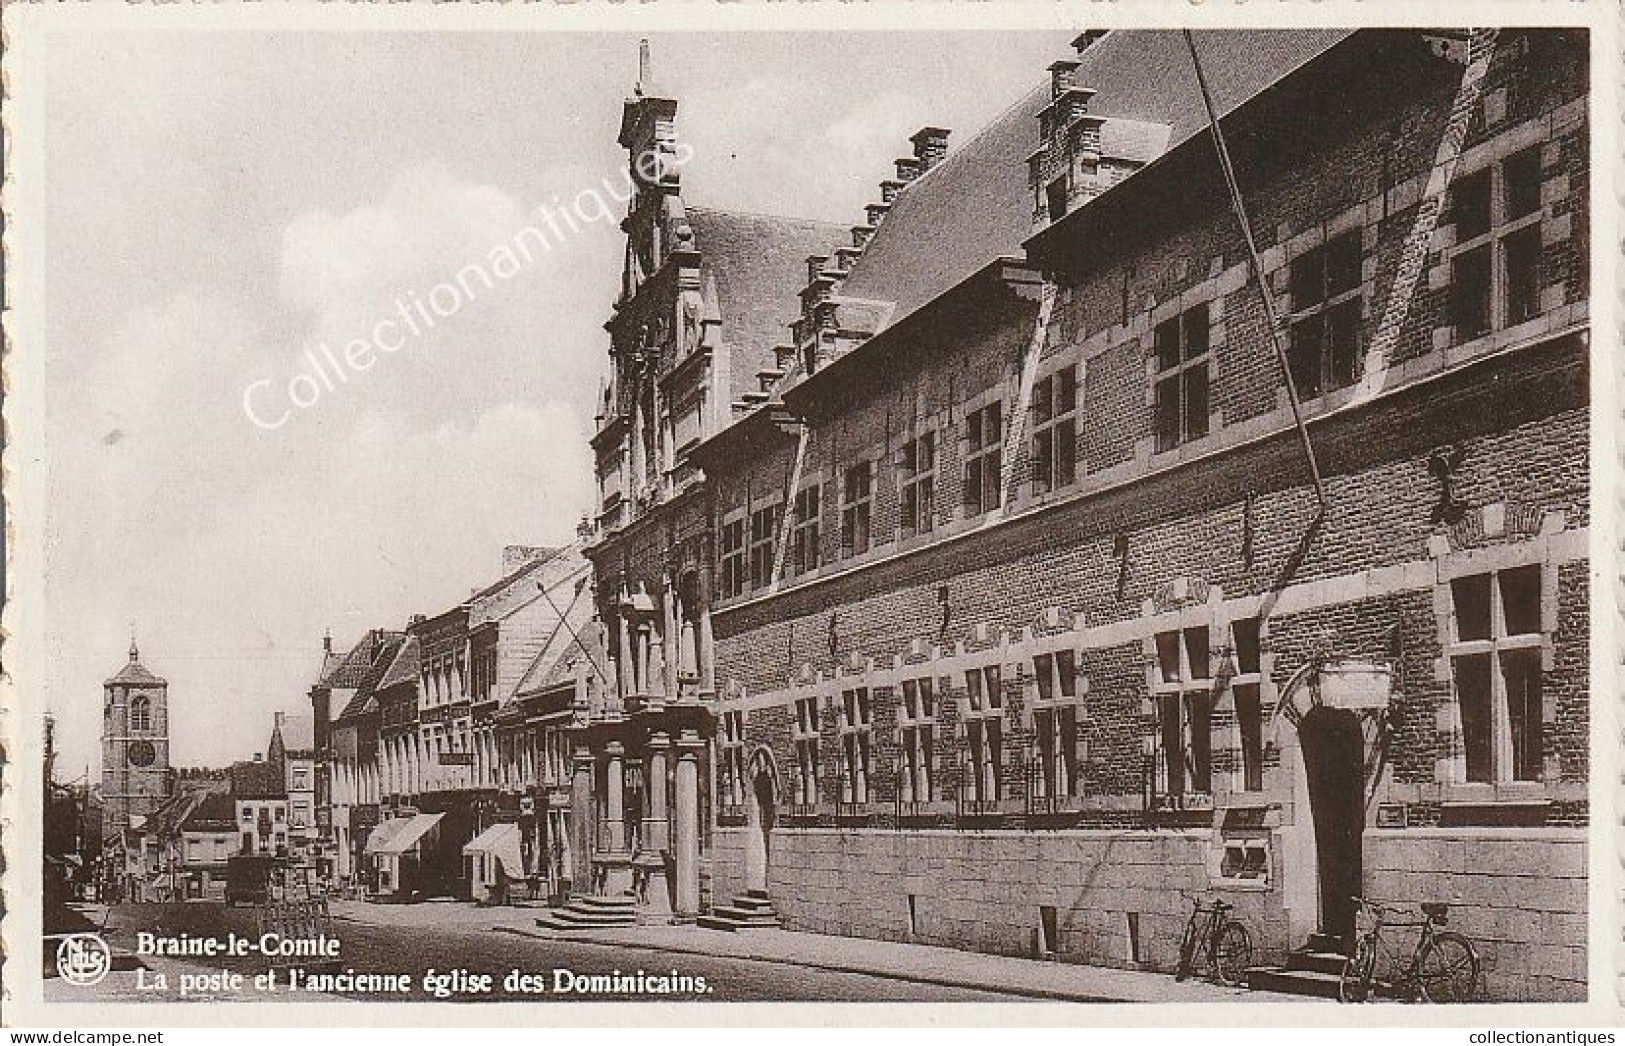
{"points": [[134, 673]]}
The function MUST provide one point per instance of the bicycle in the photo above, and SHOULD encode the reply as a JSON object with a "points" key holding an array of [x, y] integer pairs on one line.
{"points": [[1212, 935], [1444, 966]]}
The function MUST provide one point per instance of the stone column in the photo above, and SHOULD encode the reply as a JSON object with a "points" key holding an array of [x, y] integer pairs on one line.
{"points": [[708, 661], [673, 659], [580, 820], [686, 829], [615, 797], [656, 825], [624, 664]]}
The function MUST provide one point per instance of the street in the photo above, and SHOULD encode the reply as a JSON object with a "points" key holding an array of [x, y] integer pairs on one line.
{"points": [[476, 949]]}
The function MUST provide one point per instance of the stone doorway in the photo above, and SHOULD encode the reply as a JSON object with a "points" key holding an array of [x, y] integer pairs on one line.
{"points": [[761, 814], [1333, 748]]}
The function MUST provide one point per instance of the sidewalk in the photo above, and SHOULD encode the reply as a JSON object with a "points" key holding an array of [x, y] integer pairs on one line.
{"points": [[916, 963]]}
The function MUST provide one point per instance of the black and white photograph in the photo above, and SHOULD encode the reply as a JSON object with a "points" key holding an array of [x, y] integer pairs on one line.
{"points": [[782, 512]]}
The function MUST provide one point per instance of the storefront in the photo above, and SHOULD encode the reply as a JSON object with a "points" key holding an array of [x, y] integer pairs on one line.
{"points": [[395, 852]]}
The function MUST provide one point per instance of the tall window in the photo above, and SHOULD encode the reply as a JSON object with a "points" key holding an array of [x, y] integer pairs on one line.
{"points": [[1182, 377], [917, 472], [856, 748], [804, 734], [918, 716], [733, 558], [1055, 725], [1244, 688], [804, 532], [1055, 431], [984, 458], [857, 497], [1495, 658], [732, 743], [764, 524], [984, 734], [1495, 263], [140, 715], [1184, 712], [1325, 346]]}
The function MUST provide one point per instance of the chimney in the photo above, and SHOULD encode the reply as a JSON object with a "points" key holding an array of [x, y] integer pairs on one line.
{"points": [[861, 234], [259, 757], [1062, 76], [908, 168], [584, 529], [327, 642], [930, 146], [1087, 39], [281, 717]]}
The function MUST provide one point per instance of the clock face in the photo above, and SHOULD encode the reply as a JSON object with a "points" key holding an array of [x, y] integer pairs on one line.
{"points": [[142, 753]]}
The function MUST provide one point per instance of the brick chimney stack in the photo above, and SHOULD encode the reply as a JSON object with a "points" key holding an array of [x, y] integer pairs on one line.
{"points": [[930, 146], [1087, 39]]}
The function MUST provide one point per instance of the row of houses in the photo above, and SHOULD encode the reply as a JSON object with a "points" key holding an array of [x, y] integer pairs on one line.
{"points": [[1118, 512], [445, 769], [177, 843]]}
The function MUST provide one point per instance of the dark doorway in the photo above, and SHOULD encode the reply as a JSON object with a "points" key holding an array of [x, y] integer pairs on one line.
{"points": [[1332, 749]]}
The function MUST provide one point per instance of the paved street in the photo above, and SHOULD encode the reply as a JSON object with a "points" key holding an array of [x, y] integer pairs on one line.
{"points": [[472, 945]]}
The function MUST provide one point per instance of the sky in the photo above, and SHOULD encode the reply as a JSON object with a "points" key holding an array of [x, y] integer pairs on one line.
{"points": [[220, 204]]}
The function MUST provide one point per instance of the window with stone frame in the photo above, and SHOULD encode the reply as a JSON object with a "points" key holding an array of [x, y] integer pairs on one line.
{"points": [[731, 559], [804, 735], [764, 529], [731, 743], [1058, 740], [917, 722], [1184, 701], [984, 459], [917, 484], [855, 728], [1182, 392], [1495, 270], [140, 715], [1323, 353], [857, 500], [1055, 431], [1495, 660], [1245, 692], [983, 716], [804, 530]]}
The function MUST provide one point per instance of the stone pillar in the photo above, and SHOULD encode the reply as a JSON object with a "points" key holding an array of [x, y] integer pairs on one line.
{"points": [[686, 826], [624, 663], [614, 798], [580, 820], [673, 659], [708, 661], [656, 824]]}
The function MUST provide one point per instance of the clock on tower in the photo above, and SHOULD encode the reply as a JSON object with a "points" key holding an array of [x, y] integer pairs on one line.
{"points": [[135, 745]]}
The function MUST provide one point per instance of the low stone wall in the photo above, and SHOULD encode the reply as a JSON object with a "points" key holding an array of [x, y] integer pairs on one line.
{"points": [[1520, 895]]}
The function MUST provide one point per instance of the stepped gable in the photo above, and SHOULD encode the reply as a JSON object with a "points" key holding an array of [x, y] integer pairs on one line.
{"points": [[976, 205]]}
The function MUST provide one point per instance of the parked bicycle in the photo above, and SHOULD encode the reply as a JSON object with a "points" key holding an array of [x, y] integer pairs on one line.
{"points": [[1443, 967], [1213, 937]]}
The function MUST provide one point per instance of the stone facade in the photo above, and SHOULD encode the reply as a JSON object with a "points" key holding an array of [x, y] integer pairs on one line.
{"points": [[1207, 680]]}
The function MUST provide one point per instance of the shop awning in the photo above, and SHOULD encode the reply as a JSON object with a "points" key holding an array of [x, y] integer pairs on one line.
{"points": [[384, 831], [501, 841], [404, 837]]}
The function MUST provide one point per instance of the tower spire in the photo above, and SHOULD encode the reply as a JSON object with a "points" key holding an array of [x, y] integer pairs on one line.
{"points": [[134, 653], [643, 64]]}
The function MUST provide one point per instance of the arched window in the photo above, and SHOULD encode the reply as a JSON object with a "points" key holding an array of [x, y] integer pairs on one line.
{"points": [[140, 714]]}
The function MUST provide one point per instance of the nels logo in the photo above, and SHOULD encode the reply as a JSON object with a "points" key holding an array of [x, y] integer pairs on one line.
{"points": [[83, 958]]}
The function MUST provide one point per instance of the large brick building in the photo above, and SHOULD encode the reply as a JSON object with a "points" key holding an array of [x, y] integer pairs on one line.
{"points": [[1024, 607]]}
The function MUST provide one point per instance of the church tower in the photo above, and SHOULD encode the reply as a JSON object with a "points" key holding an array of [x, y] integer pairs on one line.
{"points": [[135, 745]]}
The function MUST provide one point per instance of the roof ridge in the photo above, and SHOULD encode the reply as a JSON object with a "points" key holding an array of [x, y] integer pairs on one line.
{"points": [[733, 212]]}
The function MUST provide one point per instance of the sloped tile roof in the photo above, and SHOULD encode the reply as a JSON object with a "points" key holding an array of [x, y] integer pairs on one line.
{"points": [[404, 667], [365, 697], [134, 673], [976, 206], [215, 812], [298, 733], [257, 780], [758, 265]]}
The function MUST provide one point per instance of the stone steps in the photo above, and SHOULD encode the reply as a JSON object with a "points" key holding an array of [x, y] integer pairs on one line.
{"points": [[751, 910], [591, 913], [1314, 970]]}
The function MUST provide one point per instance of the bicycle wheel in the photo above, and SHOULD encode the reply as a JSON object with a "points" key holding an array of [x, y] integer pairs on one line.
{"points": [[1232, 954], [1187, 952], [1447, 970], [1355, 984]]}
